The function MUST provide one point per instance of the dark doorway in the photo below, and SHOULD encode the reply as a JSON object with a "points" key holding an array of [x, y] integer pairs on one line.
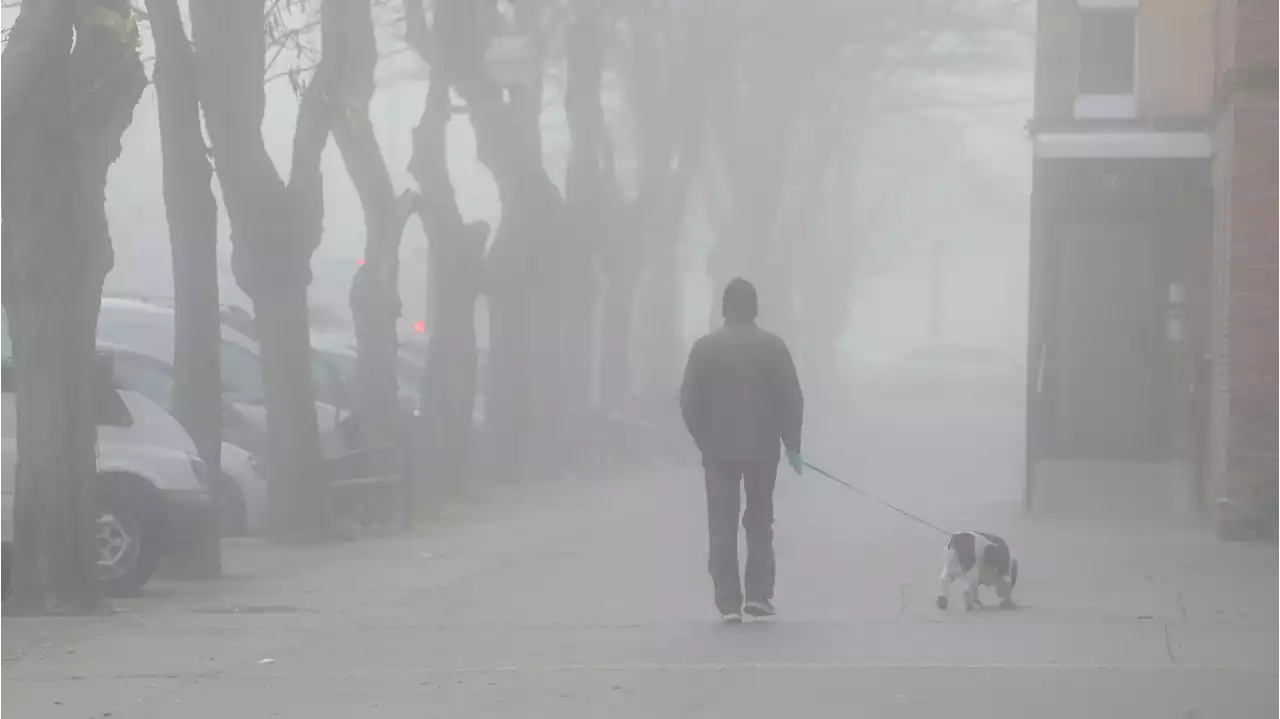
{"points": [[1110, 352]]}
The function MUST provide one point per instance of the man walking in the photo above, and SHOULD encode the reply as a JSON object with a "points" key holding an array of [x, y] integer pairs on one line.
{"points": [[740, 399]]}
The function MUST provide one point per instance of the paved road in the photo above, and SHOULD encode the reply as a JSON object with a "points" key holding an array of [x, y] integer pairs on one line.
{"points": [[588, 598]]}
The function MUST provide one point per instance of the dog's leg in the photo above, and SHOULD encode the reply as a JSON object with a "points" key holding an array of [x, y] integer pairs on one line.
{"points": [[1004, 589], [950, 570], [971, 599]]}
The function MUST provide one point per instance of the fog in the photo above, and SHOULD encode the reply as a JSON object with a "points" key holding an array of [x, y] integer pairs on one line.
{"points": [[534, 486], [952, 172]]}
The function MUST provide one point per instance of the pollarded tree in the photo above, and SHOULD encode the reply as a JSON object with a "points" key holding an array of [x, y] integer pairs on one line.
{"points": [[522, 266], [375, 298], [670, 52], [275, 227], [65, 110], [456, 267], [590, 201], [192, 215]]}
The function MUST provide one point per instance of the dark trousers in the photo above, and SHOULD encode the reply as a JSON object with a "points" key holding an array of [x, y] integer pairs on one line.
{"points": [[725, 481]]}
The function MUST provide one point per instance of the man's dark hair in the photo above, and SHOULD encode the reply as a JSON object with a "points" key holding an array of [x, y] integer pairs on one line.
{"points": [[739, 303]]}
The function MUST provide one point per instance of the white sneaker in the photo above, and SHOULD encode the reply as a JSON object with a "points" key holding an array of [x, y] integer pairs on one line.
{"points": [[760, 609], [731, 617]]}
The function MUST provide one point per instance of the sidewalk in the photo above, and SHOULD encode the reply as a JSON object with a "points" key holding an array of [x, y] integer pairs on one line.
{"points": [[589, 598]]}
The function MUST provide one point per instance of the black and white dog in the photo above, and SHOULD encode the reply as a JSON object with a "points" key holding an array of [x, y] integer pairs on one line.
{"points": [[981, 559]]}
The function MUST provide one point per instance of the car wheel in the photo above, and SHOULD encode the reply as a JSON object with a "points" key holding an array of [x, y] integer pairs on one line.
{"points": [[126, 540]]}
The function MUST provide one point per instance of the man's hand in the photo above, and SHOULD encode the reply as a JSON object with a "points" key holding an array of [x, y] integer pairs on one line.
{"points": [[796, 461]]}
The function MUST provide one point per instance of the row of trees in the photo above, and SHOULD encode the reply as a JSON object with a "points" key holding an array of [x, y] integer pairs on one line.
{"points": [[757, 104]]}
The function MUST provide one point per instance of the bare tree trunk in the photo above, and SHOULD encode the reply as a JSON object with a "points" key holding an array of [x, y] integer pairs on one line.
{"points": [[192, 214], [521, 414], [48, 295], [275, 228], [591, 195], [535, 265], [622, 258], [671, 104], [28, 55], [755, 122], [57, 252], [375, 292], [456, 268], [623, 251]]}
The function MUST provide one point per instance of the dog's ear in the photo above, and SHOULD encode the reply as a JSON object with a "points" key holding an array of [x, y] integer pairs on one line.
{"points": [[1013, 573]]}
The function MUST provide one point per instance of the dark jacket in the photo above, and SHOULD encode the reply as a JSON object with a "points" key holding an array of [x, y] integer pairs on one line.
{"points": [[741, 395]]}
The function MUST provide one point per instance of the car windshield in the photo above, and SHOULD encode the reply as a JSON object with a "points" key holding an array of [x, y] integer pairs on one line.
{"points": [[151, 333], [152, 339], [408, 373], [344, 363], [241, 373]]}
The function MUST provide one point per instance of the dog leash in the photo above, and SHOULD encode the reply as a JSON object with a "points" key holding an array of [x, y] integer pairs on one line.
{"points": [[864, 493]]}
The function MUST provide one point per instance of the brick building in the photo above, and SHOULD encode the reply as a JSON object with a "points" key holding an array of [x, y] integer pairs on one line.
{"points": [[1121, 237], [1152, 322], [1242, 428]]}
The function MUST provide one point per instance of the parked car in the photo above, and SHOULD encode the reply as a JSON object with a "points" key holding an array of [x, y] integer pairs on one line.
{"points": [[149, 329], [247, 515], [338, 351], [152, 490], [413, 351], [239, 490]]}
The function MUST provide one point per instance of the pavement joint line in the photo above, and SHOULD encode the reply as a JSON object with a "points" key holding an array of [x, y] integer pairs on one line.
{"points": [[653, 668], [750, 667]]}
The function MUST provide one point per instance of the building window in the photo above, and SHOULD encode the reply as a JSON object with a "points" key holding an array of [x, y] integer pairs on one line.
{"points": [[1107, 74]]}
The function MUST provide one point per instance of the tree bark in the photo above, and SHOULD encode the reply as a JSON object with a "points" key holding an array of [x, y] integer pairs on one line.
{"points": [[622, 258], [28, 59], [275, 227], [375, 291], [522, 419], [591, 195], [192, 214], [57, 252], [456, 275], [671, 107]]}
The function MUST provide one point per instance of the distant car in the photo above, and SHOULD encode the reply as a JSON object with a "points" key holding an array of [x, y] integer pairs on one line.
{"points": [[152, 490], [338, 351], [945, 370]]}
